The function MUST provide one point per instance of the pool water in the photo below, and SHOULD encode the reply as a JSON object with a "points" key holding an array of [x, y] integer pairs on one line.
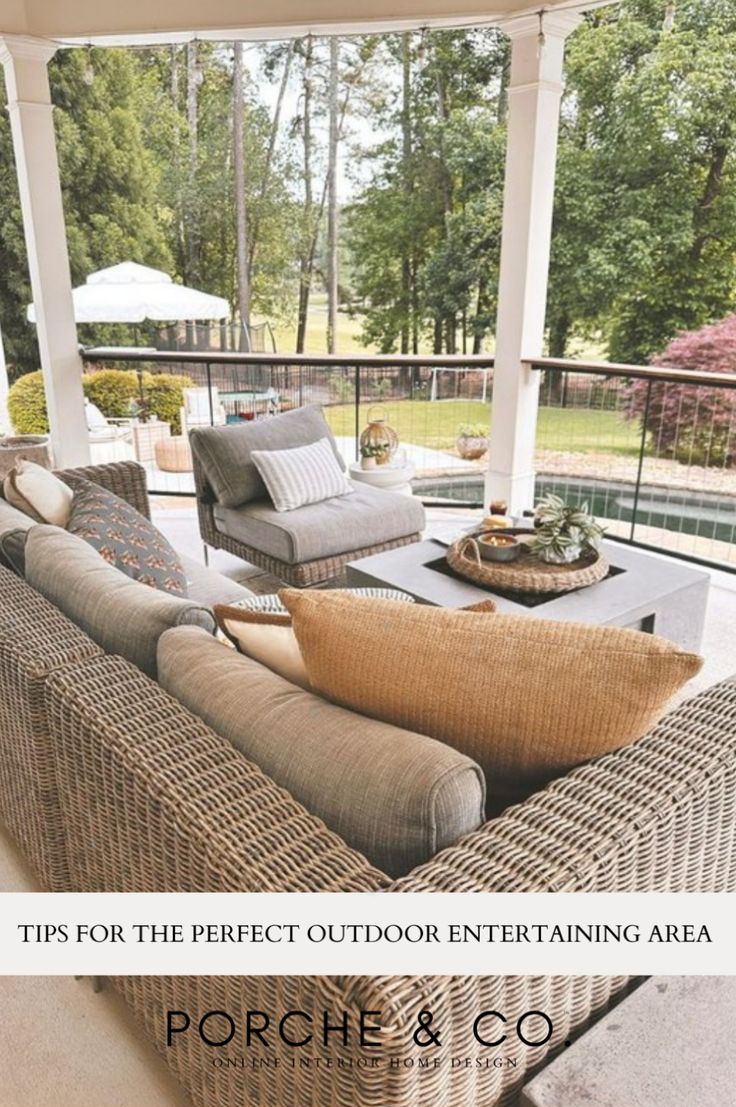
{"points": [[704, 514]]}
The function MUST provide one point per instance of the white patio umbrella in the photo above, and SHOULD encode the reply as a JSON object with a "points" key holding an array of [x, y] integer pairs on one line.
{"points": [[132, 293]]}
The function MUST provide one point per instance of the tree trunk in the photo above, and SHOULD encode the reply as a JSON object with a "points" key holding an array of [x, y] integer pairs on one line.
{"points": [[406, 149], [175, 76], [711, 192], [306, 264], [437, 343], [306, 261], [559, 335], [272, 140], [241, 220], [332, 259], [445, 186], [193, 236], [480, 309]]}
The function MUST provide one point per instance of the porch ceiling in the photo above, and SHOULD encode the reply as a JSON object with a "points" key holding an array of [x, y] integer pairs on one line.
{"points": [[139, 21]]}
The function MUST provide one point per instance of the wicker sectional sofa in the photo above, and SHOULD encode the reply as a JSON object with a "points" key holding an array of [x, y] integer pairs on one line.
{"points": [[108, 783]]}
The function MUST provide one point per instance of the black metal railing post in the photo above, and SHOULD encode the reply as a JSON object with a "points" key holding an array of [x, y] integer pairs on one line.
{"points": [[208, 372], [640, 463]]}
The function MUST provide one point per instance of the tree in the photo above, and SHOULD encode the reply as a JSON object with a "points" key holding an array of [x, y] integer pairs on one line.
{"points": [[334, 138], [645, 221], [109, 176], [425, 230], [690, 422]]}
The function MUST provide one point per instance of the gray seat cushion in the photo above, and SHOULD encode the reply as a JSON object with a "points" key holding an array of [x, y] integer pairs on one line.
{"points": [[122, 615], [224, 452], [368, 517], [208, 587], [396, 796]]}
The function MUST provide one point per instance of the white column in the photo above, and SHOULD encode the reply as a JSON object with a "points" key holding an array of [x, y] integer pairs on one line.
{"points": [[25, 61], [535, 88]]}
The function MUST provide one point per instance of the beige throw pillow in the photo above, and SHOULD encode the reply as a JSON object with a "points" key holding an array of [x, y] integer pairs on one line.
{"points": [[38, 493], [266, 637], [528, 699]]}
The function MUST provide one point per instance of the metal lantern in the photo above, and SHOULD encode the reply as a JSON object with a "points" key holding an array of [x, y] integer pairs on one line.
{"points": [[378, 440]]}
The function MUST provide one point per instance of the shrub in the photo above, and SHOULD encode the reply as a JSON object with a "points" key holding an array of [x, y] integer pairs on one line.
{"points": [[689, 422], [473, 430], [111, 390], [27, 404], [164, 393]]}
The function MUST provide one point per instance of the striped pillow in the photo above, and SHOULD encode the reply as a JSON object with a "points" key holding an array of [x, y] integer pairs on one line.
{"points": [[302, 475]]}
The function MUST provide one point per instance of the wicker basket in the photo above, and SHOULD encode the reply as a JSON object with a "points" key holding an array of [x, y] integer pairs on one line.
{"points": [[528, 573]]}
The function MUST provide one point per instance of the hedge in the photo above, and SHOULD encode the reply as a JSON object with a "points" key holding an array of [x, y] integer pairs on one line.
{"points": [[111, 390]]}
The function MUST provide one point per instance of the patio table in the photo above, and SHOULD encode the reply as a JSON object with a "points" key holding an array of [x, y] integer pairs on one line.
{"points": [[643, 591]]}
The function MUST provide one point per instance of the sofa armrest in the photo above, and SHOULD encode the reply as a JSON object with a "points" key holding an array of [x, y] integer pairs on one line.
{"points": [[126, 479], [153, 800], [657, 816]]}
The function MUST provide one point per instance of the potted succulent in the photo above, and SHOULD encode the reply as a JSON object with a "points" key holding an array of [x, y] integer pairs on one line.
{"points": [[563, 532], [373, 454], [472, 440]]}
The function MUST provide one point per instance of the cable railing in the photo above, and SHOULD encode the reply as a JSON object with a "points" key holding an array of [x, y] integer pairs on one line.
{"points": [[652, 449], [428, 400]]}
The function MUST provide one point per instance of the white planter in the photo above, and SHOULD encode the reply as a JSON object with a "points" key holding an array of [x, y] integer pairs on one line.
{"points": [[552, 557]]}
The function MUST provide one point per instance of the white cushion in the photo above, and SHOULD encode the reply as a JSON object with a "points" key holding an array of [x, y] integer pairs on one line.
{"points": [[302, 475], [36, 492], [95, 419], [260, 627], [266, 637]]}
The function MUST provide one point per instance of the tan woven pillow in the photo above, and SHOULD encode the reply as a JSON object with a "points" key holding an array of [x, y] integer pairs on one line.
{"points": [[526, 698]]}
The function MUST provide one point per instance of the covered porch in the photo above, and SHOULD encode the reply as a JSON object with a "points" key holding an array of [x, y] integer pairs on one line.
{"points": [[31, 36]]}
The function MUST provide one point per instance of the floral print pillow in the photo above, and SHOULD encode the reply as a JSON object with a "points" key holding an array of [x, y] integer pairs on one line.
{"points": [[125, 538]]}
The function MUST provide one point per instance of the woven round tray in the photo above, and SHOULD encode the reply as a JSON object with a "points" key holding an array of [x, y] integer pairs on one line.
{"points": [[528, 573]]}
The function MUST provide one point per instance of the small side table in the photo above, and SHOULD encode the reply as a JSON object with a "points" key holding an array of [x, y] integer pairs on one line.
{"points": [[392, 478], [173, 455]]}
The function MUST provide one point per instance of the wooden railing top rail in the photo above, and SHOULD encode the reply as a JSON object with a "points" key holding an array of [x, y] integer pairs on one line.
{"points": [[639, 372], [334, 361]]}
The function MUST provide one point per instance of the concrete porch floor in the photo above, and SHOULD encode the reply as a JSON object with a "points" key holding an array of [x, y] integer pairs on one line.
{"points": [[62, 1045]]}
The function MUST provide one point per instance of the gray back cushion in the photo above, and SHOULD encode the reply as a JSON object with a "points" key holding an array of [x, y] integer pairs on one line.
{"points": [[396, 796], [122, 615], [224, 452], [13, 527]]}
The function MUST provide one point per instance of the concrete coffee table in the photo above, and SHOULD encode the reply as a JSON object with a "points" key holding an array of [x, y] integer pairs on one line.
{"points": [[643, 591]]}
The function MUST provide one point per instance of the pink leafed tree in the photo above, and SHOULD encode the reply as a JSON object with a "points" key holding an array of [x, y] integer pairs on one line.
{"points": [[694, 424]]}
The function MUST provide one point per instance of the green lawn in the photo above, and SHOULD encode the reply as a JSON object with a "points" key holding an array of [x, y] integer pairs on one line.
{"points": [[423, 423]]}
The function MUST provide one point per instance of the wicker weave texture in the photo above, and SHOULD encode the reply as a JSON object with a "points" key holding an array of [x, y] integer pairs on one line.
{"points": [[298, 576], [35, 641], [147, 771], [526, 575], [572, 1003], [658, 816], [126, 479]]}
